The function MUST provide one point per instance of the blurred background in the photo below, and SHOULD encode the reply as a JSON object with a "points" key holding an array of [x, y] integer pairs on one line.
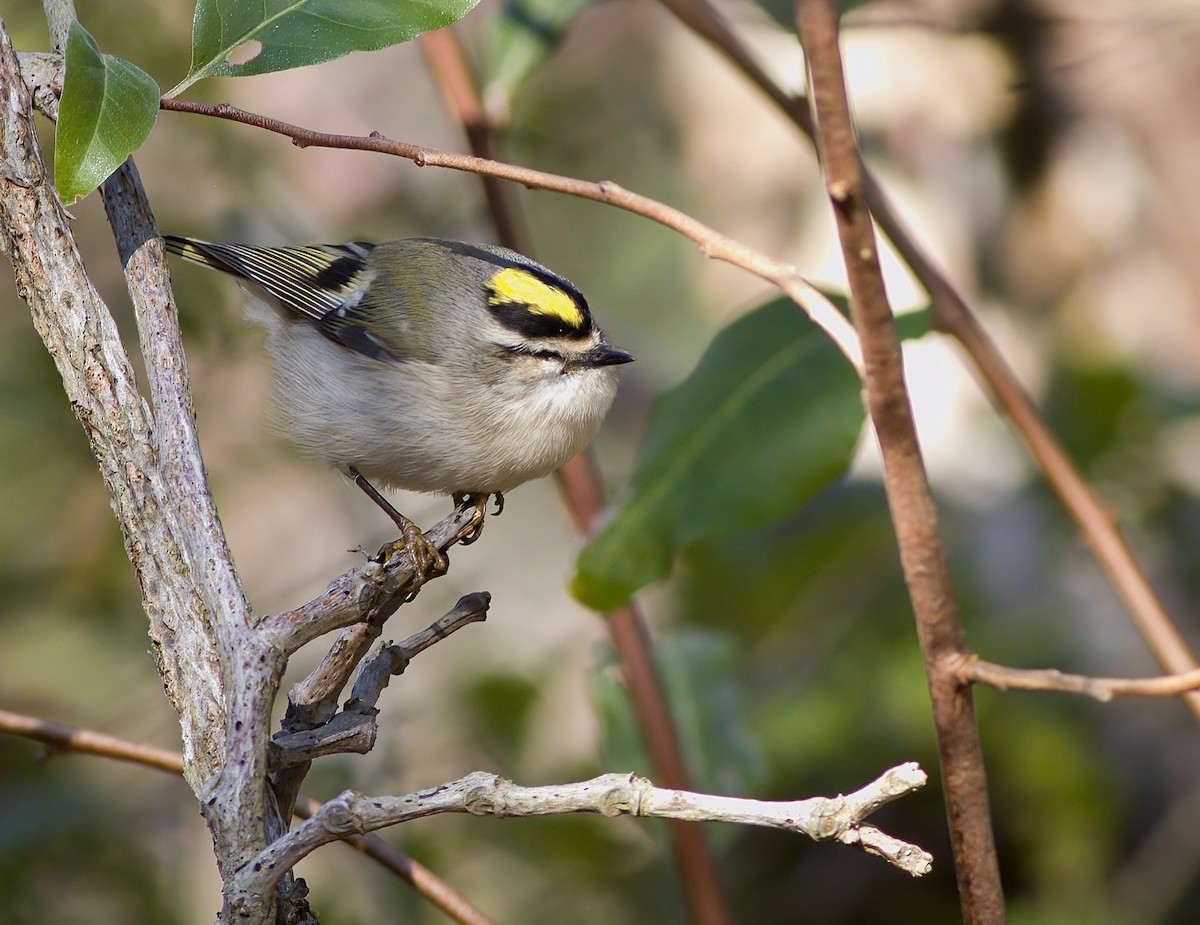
{"points": [[1044, 151]]}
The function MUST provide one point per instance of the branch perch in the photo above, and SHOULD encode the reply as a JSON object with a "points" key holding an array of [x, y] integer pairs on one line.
{"points": [[385, 579]]}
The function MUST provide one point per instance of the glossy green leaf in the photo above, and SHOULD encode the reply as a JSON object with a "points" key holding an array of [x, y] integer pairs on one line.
{"points": [[236, 39], [107, 110], [522, 37], [770, 416]]}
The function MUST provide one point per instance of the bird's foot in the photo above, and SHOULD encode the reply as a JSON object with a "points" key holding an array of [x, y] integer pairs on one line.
{"points": [[462, 500], [427, 558]]}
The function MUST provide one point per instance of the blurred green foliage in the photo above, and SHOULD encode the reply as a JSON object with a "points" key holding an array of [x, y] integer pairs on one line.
{"points": [[769, 417]]}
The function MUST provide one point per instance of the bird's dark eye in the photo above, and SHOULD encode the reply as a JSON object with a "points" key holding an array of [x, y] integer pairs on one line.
{"points": [[541, 353]]}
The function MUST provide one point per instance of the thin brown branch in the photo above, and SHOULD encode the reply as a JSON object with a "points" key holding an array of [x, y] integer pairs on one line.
{"points": [[64, 738], [447, 62], [954, 316], [711, 24], [583, 492], [914, 515], [712, 243], [1051, 680], [61, 737], [1094, 521]]}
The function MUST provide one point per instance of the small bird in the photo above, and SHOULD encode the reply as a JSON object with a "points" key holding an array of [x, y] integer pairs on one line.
{"points": [[424, 364]]}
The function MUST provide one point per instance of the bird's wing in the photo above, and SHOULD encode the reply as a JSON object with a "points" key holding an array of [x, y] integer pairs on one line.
{"points": [[325, 284]]}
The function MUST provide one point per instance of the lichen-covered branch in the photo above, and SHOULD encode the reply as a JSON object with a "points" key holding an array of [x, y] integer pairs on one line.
{"points": [[81, 337], [480, 793], [393, 659]]}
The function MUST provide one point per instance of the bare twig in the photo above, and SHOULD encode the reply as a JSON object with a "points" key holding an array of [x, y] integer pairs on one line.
{"points": [[953, 315], [447, 61], [480, 793], [346, 733], [361, 600], [393, 659], [1005, 678], [427, 884], [61, 737], [1095, 522], [712, 243], [711, 24], [354, 729], [584, 496], [914, 516], [314, 699]]}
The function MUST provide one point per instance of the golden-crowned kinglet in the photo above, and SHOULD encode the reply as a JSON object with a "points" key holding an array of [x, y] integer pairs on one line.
{"points": [[430, 365]]}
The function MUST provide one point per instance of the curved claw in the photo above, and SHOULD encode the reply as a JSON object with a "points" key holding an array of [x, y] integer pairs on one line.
{"points": [[463, 501]]}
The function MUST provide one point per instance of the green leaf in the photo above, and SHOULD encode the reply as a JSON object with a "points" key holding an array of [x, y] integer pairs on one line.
{"points": [[237, 39], [107, 110], [524, 35], [770, 417], [913, 325]]}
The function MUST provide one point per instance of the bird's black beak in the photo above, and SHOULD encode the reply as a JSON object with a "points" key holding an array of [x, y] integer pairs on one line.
{"points": [[605, 355]]}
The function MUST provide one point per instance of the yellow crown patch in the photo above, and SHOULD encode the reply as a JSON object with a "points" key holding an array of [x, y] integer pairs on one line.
{"points": [[520, 287]]}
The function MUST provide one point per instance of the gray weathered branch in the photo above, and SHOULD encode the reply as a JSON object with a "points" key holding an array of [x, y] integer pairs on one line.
{"points": [[98, 378], [822, 818], [354, 728]]}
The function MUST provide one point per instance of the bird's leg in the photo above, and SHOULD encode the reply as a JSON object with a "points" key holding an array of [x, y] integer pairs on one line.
{"points": [[427, 557]]}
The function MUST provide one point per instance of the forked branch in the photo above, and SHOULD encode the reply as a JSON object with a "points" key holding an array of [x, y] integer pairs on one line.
{"points": [[479, 793]]}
